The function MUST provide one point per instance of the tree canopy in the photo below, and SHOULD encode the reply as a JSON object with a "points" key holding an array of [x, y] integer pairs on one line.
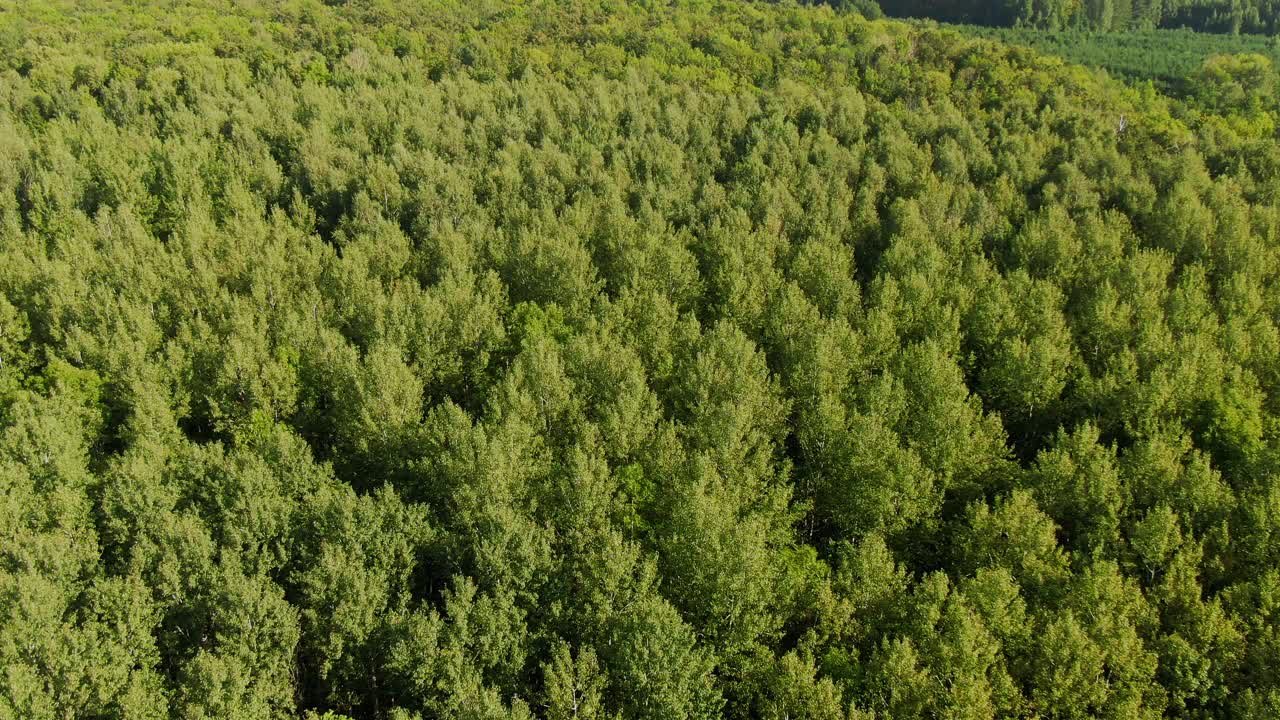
{"points": [[419, 359]]}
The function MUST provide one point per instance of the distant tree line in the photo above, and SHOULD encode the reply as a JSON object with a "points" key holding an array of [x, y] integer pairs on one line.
{"points": [[1170, 58], [1211, 16]]}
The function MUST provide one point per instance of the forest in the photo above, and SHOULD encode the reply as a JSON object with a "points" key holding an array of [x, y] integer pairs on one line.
{"points": [[653, 360], [1259, 17], [1171, 59]]}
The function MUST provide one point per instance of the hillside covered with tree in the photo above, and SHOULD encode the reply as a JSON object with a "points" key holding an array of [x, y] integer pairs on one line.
{"points": [[644, 360]]}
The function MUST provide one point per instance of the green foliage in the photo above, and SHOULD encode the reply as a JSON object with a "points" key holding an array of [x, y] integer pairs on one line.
{"points": [[1172, 59], [611, 360], [1235, 83], [1215, 16]]}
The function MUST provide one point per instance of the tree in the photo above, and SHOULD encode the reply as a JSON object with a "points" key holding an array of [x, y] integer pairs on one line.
{"points": [[573, 685]]}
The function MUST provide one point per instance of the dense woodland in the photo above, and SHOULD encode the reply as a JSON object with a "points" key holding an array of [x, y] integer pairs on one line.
{"points": [[603, 359], [1260, 17]]}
